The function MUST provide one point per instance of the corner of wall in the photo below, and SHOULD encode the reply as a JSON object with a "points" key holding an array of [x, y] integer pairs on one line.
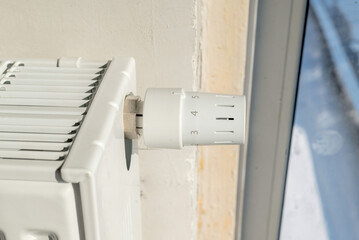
{"points": [[223, 44]]}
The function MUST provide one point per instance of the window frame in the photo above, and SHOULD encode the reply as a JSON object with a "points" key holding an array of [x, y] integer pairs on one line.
{"points": [[274, 48]]}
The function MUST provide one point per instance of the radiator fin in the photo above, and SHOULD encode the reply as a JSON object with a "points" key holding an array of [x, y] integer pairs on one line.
{"points": [[42, 107]]}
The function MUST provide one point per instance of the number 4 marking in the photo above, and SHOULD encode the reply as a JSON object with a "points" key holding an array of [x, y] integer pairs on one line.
{"points": [[194, 113]]}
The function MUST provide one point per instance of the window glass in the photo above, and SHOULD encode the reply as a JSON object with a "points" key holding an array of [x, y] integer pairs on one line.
{"points": [[322, 188]]}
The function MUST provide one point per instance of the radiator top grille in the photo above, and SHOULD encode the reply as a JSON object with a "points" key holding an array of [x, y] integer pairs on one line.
{"points": [[42, 106]]}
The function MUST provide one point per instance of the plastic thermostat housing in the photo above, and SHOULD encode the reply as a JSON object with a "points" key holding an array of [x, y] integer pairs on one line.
{"points": [[173, 118]]}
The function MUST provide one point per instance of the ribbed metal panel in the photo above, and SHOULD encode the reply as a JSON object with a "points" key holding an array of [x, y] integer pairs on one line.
{"points": [[42, 106]]}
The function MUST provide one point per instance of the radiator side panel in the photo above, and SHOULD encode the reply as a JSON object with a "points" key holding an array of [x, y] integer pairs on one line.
{"points": [[110, 194]]}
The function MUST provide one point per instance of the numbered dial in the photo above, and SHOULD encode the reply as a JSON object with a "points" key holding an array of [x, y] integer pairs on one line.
{"points": [[213, 119], [175, 118]]}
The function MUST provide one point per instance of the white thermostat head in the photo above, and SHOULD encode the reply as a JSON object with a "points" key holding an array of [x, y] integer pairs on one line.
{"points": [[173, 118]]}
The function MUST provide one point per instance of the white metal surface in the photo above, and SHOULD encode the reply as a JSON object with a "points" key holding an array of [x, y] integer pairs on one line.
{"points": [[34, 113], [110, 194], [31, 210], [173, 118], [51, 108]]}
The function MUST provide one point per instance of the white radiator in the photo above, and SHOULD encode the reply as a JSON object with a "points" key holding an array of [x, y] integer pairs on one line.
{"points": [[63, 173], [66, 170]]}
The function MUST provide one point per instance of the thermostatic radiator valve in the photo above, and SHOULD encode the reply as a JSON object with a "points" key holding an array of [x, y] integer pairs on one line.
{"points": [[173, 118]]}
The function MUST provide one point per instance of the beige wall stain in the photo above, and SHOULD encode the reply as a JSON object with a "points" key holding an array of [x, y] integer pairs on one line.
{"points": [[224, 33]]}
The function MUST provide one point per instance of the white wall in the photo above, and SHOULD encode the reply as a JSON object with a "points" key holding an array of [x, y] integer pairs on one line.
{"points": [[162, 35]]}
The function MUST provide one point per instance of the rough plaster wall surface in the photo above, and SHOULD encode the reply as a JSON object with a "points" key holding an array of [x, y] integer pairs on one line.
{"points": [[162, 36], [224, 26]]}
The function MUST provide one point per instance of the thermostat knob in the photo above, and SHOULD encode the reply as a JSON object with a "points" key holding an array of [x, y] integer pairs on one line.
{"points": [[173, 118]]}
